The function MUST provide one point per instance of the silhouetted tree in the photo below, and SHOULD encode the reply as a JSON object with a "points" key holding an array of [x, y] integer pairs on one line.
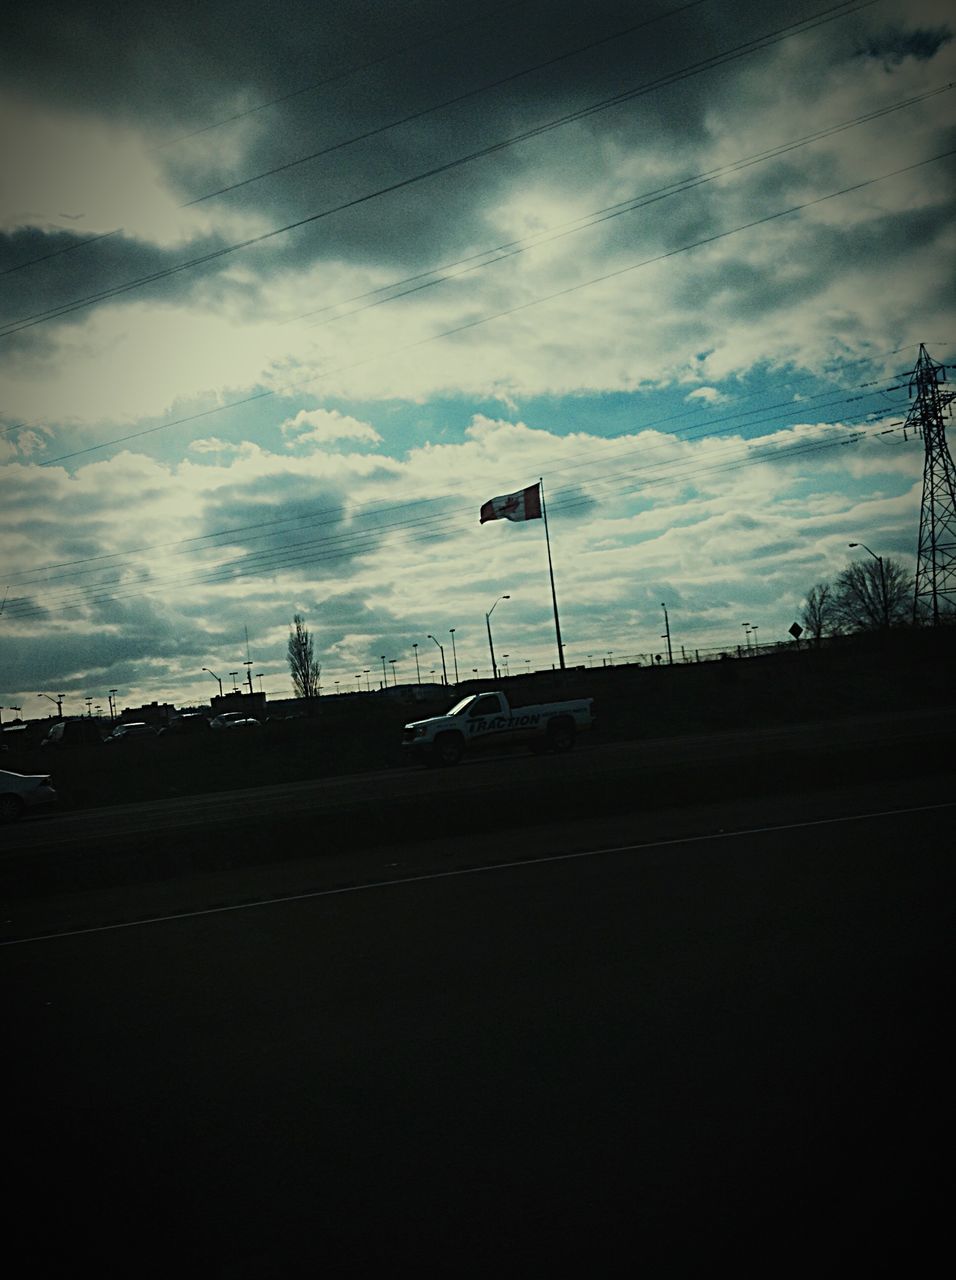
{"points": [[870, 595], [817, 614], [302, 664]]}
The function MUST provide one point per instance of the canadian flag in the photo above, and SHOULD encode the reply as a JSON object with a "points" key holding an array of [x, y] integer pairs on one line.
{"points": [[523, 505]]}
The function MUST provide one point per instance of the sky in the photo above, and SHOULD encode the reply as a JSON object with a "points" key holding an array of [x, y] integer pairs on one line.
{"points": [[290, 291]]}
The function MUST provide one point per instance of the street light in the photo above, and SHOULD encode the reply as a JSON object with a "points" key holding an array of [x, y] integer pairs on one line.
{"points": [[391, 663], [454, 652], [418, 670], [384, 672], [507, 668], [58, 700], [111, 696], [879, 561], [215, 677], [494, 665], [443, 667], [235, 687], [367, 672]]}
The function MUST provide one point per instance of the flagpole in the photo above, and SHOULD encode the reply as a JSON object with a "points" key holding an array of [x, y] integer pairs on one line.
{"points": [[554, 597]]}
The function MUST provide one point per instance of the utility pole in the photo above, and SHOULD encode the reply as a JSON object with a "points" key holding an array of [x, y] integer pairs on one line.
{"points": [[667, 636], [936, 554], [248, 661]]}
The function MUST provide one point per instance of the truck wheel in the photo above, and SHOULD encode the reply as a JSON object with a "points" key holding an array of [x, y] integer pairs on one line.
{"points": [[448, 749], [561, 735], [11, 807]]}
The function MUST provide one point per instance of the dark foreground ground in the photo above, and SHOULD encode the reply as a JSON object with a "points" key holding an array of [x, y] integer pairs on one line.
{"points": [[721, 1043]]}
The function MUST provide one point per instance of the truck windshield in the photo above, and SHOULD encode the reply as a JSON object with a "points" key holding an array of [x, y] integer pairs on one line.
{"points": [[459, 707]]}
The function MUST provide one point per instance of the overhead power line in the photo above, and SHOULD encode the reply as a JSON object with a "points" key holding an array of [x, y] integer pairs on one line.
{"points": [[488, 257], [378, 507], [448, 102], [693, 434], [523, 306], [352, 542], [751, 46], [336, 548]]}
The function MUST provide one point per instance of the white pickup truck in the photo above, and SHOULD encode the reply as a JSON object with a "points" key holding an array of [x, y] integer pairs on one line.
{"points": [[487, 720]]}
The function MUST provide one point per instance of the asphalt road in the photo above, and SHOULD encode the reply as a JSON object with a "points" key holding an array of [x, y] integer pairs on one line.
{"points": [[703, 1047], [618, 765]]}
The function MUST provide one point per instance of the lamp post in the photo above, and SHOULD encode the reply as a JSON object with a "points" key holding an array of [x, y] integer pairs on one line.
{"points": [[391, 663], [454, 651], [443, 667], [885, 607], [753, 631], [215, 677], [667, 635], [418, 670], [384, 672], [367, 673], [491, 647], [259, 675], [58, 700], [111, 697], [235, 675], [746, 627], [89, 705], [507, 668]]}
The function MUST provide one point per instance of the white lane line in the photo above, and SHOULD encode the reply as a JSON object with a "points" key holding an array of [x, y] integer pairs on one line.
{"points": [[472, 871]]}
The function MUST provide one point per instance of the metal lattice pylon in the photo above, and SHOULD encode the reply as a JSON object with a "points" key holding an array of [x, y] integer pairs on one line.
{"points": [[935, 596]]}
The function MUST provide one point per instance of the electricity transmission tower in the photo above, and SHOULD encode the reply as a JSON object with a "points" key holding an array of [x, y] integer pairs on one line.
{"points": [[936, 557]]}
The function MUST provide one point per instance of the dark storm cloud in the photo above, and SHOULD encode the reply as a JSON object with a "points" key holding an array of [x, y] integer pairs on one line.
{"points": [[131, 636], [289, 521], [70, 282], [197, 65], [894, 46]]}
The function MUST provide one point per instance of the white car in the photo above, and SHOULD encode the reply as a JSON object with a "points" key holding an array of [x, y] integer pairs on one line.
{"points": [[232, 720], [133, 729], [20, 792]]}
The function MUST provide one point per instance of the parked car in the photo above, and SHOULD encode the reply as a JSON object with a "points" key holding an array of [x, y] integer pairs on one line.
{"points": [[135, 729], [246, 722], [22, 791], [73, 733], [191, 722], [226, 718]]}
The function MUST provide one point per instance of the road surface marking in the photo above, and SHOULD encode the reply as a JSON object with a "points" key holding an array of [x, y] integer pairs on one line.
{"points": [[470, 871]]}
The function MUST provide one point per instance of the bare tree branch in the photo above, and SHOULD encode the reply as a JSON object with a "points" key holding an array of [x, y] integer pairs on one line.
{"points": [[303, 667], [817, 614], [873, 594]]}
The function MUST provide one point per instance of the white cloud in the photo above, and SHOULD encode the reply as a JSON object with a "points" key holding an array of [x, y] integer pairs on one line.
{"points": [[323, 426], [708, 395]]}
